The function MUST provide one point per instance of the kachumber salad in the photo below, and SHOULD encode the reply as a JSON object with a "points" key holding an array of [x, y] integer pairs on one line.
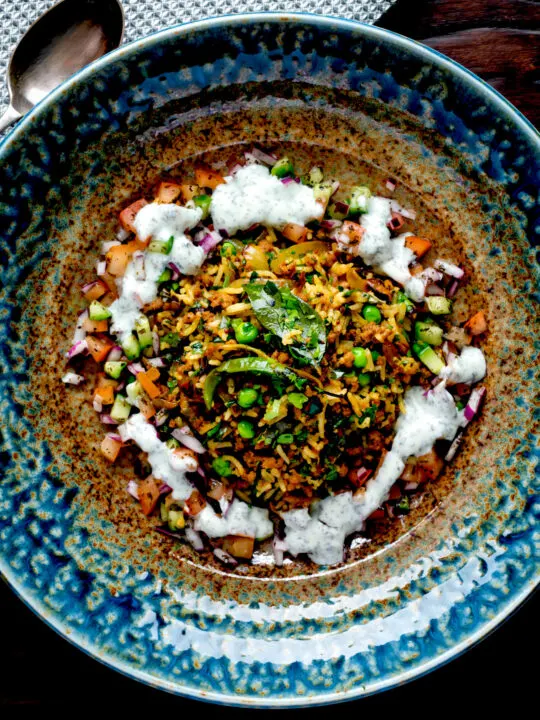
{"points": [[284, 360]]}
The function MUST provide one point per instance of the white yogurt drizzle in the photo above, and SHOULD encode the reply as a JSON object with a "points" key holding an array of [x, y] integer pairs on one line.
{"points": [[321, 534], [139, 285], [166, 464], [468, 367], [252, 196], [240, 519], [378, 250]]}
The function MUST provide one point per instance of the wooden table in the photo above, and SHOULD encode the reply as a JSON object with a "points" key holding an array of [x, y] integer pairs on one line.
{"points": [[500, 41]]}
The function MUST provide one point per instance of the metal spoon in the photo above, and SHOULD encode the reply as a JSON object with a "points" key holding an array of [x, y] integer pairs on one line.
{"points": [[67, 37]]}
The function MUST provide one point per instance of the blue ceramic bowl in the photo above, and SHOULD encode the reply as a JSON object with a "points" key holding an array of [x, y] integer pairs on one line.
{"points": [[363, 101]]}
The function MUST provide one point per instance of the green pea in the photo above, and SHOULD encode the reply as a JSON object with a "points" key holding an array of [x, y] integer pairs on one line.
{"points": [[245, 332], [247, 397], [360, 357], [371, 313], [285, 438], [364, 379], [222, 467], [246, 430], [227, 249]]}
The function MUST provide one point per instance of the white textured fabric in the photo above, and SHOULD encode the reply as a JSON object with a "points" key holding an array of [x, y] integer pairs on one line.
{"points": [[146, 16]]}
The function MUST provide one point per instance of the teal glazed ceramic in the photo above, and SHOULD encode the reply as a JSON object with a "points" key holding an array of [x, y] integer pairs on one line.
{"points": [[413, 593]]}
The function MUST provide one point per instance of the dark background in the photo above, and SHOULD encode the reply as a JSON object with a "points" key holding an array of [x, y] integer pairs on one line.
{"points": [[500, 41]]}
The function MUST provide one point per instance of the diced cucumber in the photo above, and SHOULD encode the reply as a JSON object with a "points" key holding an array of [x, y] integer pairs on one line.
{"points": [[438, 305], [114, 368], [282, 168], [338, 211], [133, 391], [315, 176], [165, 276], [97, 311], [121, 409], [142, 328], [429, 357], [402, 298], [161, 246], [172, 443], [176, 520], [131, 347], [323, 192], [429, 333], [203, 202], [359, 202]]}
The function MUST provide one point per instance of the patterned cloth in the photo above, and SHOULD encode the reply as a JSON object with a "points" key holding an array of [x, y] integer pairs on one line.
{"points": [[146, 16]]}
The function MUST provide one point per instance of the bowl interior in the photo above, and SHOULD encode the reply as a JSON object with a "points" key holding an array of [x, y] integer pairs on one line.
{"points": [[152, 111]]}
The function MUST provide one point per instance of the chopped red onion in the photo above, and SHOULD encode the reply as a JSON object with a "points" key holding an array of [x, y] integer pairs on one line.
{"points": [[201, 472], [279, 546], [335, 187], [164, 489], [473, 405], [362, 474], [396, 207], [449, 268], [224, 233], [133, 489], [434, 289], [101, 267], [115, 354], [107, 420], [341, 208], [157, 362], [138, 265], [224, 505], [225, 557], [454, 447], [188, 440], [71, 378], [155, 341], [411, 485], [88, 286], [390, 185], [396, 222], [80, 347], [208, 239], [115, 437], [161, 418], [135, 368], [194, 539], [261, 156], [175, 270], [452, 289], [287, 180], [97, 404], [331, 224], [449, 355], [236, 167], [122, 234]]}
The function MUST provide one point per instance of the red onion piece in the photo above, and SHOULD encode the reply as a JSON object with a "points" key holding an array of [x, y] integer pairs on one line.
{"points": [[122, 234], [452, 289], [161, 418], [331, 224], [396, 207], [135, 368], [225, 557], [208, 239], [287, 180], [430, 274], [164, 489], [236, 167], [115, 437], [335, 187], [390, 185], [88, 286], [449, 268], [71, 378], [434, 289], [138, 265], [101, 267], [175, 270], [80, 347], [155, 341], [411, 485], [107, 420], [473, 405], [106, 246], [133, 489], [263, 157], [362, 474], [115, 354], [279, 546], [201, 472], [396, 222], [194, 539], [188, 440], [97, 404], [454, 447], [157, 362]]}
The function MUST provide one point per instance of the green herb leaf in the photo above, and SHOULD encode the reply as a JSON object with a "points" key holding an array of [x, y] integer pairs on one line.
{"points": [[279, 311]]}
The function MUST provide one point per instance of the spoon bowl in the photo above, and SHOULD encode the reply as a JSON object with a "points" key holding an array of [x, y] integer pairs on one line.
{"points": [[72, 34]]}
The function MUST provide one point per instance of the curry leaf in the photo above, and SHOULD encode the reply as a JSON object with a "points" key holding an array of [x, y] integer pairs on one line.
{"points": [[281, 312]]}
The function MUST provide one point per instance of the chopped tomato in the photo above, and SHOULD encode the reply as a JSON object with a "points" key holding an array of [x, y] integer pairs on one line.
{"points": [[96, 290], [127, 216], [146, 407], [477, 324], [148, 385], [110, 447], [99, 347], [419, 246], [167, 192], [377, 514], [149, 494], [189, 192], [208, 177], [295, 233], [353, 231], [195, 503], [239, 546], [92, 326]]}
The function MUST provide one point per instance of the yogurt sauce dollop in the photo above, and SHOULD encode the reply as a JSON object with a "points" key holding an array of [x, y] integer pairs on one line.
{"points": [[378, 250], [321, 533], [139, 285], [252, 196]]}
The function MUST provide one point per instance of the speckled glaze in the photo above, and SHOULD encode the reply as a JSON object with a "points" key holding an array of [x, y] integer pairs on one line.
{"points": [[367, 104]]}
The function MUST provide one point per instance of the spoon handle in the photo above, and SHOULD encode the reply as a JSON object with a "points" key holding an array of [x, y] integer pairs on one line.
{"points": [[9, 117]]}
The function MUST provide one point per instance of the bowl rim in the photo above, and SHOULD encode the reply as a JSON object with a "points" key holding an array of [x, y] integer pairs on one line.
{"points": [[178, 30]]}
